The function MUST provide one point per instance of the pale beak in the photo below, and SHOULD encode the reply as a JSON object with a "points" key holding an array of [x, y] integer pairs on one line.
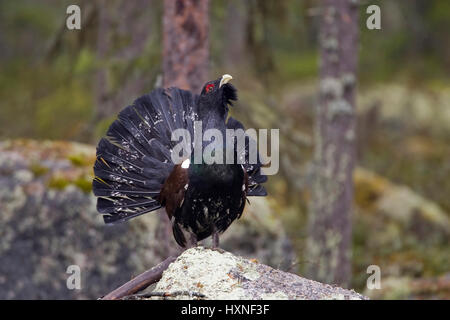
{"points": [[225, 79]]}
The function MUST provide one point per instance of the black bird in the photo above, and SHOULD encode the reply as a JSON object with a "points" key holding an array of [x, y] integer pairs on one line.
{"points": [[134, 172]]}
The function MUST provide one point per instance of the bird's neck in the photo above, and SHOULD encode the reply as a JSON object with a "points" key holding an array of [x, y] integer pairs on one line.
{"points": [[212, 117], [208, 109]]}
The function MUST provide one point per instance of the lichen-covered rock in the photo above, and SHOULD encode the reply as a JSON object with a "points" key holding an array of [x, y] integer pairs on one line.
{"points": [[425, 108], [260, 234], [48, 221], [400, 231], [377, 195], [219, 274]]}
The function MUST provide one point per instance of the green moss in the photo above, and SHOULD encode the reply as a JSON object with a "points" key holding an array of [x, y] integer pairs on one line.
{"points": [[79, 160], [84, 183], [38, 170], [58, 183]]}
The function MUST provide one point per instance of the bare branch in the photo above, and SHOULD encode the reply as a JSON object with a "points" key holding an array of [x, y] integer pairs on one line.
{"points": [[165, 295], [140, 282]]}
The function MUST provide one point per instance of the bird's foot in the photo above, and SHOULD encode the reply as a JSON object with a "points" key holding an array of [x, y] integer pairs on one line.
{"points": [[217, 249]]}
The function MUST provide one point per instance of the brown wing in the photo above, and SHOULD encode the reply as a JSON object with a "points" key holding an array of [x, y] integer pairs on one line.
{"points": [[172, 192]]}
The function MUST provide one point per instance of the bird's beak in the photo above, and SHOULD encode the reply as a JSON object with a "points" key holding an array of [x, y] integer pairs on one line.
{"points": [[225, 79]]}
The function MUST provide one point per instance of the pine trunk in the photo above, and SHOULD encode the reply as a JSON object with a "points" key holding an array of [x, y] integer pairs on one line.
{"points": [[185, 65], [185, 44]]}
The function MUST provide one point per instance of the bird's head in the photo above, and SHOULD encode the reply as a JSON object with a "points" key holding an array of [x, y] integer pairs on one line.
{"points": [[219, 93]]}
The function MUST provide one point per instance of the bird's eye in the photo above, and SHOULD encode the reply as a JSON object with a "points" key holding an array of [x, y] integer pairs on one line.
{"points": [[209, 87]]}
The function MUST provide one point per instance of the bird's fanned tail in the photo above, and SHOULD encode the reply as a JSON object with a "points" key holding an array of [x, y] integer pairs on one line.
{"points": [[134, 158]]}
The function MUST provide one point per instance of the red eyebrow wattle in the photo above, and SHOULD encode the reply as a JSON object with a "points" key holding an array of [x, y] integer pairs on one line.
{"points": [[209, 87]]}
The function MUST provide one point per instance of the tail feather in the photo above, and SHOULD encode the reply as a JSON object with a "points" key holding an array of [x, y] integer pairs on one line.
{"points": [[127, 215], [163, 111], [178, 234], [118, 204], [127, 178], [189, 113], [102, 191], [110, 157], [134, 158]]}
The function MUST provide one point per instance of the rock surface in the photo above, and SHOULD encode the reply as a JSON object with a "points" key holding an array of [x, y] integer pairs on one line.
{"points": [[48, 221], [219, 274]]}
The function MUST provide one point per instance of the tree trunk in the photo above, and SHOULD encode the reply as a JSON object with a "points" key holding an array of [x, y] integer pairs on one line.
{"points": [[235, 35], [330, 225], [185, 65], [185, 44]]}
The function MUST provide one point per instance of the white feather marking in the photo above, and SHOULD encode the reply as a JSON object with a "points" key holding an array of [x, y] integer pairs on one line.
{"points": [[186, 163]]}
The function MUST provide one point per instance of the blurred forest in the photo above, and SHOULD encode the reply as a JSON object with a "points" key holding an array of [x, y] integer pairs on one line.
{"points": [[57, 84]]}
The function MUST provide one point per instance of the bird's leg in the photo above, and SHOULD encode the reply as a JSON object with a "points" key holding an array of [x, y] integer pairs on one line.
{"points": [[215, 241], [192, 242], [215, 238]]}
